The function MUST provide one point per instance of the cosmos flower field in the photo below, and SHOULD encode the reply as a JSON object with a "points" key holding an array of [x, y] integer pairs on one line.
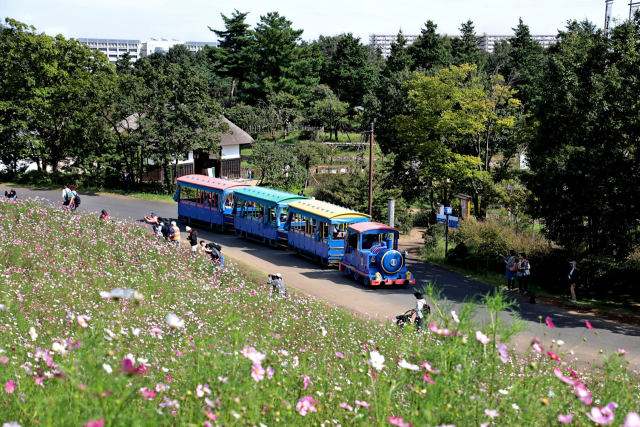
{"points": [[102, 323]]}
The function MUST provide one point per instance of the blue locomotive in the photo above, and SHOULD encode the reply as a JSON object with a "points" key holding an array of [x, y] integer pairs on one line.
{"points": [[371, 255]]}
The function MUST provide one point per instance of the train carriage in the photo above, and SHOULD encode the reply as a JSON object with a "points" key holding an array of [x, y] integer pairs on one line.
{"points": [[261, 213], [317, 229], [207, 200], [371, 255]]}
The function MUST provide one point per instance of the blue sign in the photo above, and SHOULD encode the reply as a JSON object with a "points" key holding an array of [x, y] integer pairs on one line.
{"points": [[441, 218], [448, 210], [453, 222]]}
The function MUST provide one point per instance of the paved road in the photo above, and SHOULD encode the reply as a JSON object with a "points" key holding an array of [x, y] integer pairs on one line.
{"points": [[329, 285]]}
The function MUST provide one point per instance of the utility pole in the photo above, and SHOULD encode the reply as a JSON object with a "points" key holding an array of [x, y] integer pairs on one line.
{"points": [[371, 172]]}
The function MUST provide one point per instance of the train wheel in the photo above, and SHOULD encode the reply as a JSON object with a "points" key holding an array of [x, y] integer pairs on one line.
{"points": [[366, 281]]}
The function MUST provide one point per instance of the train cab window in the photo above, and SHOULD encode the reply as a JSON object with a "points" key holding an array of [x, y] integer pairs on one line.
{"points": [[352, 242], [369, 240]]}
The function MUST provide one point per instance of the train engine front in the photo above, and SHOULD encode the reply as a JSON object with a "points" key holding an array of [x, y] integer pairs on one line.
{"points": [[371, 255]]}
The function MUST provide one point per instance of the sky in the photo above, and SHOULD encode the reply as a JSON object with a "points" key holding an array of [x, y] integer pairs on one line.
{"points": [[188, 20]]}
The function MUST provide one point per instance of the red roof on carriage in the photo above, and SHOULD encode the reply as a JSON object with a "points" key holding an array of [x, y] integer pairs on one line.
{"points": [[368, 226], [207, 181]]}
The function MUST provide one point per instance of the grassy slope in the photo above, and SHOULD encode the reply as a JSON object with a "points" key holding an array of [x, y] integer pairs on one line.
{"points": [[54, 266]]}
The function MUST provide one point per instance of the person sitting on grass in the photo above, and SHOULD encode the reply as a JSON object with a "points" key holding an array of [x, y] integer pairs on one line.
{"points": [[152, 219], [104, 214]]}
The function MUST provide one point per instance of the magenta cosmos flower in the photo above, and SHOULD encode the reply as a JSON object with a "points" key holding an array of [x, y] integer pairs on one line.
{"points": [[565, 419], [305, 405], [603, 416], [549, 322]]}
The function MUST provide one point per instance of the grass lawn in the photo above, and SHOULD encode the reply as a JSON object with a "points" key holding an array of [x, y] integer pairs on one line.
{"points": [[104, 323]]}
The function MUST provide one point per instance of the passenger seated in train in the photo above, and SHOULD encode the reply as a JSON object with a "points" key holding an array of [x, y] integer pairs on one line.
{"points": [[337, 234], [369, 240]]}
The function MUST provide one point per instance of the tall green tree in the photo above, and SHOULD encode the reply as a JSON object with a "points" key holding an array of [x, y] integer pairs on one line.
{"points": [[349, 74], [234, 53], [399, 59], [584, 162], [278, 166], [466, 48], [429, 50]]}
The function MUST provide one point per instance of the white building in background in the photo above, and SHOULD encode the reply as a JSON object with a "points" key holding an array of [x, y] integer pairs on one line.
{"points": [[485, 41], [115, 48]]}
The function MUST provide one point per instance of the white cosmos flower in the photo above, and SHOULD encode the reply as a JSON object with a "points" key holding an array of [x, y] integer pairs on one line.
{"points": [[33, 333], [174, 321], [60, 348], [455, 316], [406, 365], [135, 331], [377, 360], [107, 368]]}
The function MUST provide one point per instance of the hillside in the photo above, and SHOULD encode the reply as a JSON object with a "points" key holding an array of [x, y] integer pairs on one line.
{"points": [[194, 344]]}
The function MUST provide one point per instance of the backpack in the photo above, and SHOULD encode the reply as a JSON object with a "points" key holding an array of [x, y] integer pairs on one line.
{"points": [[67, 196], [76, 200]]}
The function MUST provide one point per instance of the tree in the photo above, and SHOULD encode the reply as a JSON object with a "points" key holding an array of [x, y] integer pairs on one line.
{"points": [[327, 110], [456, 128], [466, 48], [278, 166], [276, 53], [399, 59], [429, 50], [349, 74], [234, 49], [179, 115], [584, 163]]}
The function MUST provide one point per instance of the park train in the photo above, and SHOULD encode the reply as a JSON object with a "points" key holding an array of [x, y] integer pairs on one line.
{"points": [[329, 234]]}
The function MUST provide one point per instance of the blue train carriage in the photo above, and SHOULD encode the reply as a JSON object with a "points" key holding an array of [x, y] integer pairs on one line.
{"points": [[206, 200], [371, 255], [261, 213], [317, 229]]}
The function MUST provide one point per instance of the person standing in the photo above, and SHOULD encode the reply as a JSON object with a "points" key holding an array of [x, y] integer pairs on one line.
{"points": [[126, 177], [511, 267], [192, 238], [572, 279], [523, 273], [66, 197], [420, 304]]}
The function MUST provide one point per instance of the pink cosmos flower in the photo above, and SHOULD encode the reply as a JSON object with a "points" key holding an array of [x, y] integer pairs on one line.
{"points": [[622, 351], [565, 419], [502, 352], [632, 420], [82, 321], [252, 354], [95, 423], [589, 324], [346, 407], [362, 403], [306, 381], [305, 405], [10, 386], [147, 393], [4, 360], [257, 373], [482, 337], [339, 355], [558, 373], [583, 393], [270, 372], [398, 421], [603, 416], [127, 366], [428, 379], [491, 413], [438, 331], [429, 367], [535, 344], [549, 322]]}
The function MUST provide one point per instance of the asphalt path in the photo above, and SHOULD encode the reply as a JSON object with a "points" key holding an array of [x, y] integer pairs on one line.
{"points": [[587, 346]]}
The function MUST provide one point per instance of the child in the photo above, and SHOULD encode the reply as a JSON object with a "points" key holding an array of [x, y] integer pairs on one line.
{"points": [[420, 305], [104, 214]]}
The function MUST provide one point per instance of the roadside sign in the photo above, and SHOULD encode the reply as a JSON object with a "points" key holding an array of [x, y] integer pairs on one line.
{"points": [[441, 218], [448, 210], [453, 221]]}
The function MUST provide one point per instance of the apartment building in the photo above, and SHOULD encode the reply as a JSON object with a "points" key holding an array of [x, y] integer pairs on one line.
{"points": [[115, 48]]}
